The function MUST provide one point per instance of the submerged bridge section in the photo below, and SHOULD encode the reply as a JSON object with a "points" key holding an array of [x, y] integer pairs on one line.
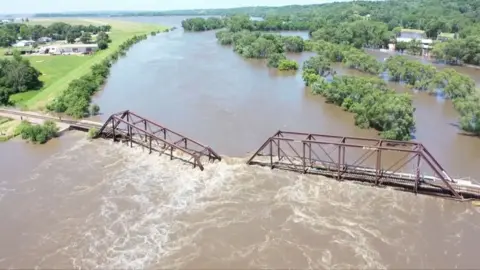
{"points": [[405, 165], [132, 128]]}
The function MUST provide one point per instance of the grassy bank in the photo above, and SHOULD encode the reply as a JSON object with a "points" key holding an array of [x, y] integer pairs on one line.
{"points": [[59, 71], [8, 128]]}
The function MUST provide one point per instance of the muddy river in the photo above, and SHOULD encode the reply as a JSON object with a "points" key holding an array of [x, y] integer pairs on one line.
{"points": [[83, 204]]}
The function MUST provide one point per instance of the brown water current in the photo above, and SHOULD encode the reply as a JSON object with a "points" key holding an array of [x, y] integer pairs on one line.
{"points": [[74, 203]]}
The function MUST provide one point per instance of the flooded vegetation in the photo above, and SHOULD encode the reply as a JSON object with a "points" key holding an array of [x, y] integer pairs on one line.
{"points": [[95, 204]]}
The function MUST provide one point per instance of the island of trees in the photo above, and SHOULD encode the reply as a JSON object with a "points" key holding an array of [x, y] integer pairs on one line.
{"points": [[201, 24]]}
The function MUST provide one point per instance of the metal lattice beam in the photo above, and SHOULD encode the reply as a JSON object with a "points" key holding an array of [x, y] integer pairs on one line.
{"points": [[380, 162], [134, 128]]}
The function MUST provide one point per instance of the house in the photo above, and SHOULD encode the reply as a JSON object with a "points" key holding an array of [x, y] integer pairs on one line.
{"points": [[6, 21], [44, 40], [407, 35], [24, 43], [70, 49]]}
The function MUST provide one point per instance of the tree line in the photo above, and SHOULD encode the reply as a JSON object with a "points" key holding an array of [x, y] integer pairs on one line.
{"points": [[202, 24], [11, 32], [260, 45], [374, 105], [17, 75], [448, 82], [374, 24], [424, 77], [76, 99]]}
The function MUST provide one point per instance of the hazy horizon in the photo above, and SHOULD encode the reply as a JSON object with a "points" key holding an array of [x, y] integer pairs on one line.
{"points": [[51, 6]]}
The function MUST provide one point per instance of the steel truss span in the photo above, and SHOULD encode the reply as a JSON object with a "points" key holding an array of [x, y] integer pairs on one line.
{"points": [[134, 129], [405, 165]]}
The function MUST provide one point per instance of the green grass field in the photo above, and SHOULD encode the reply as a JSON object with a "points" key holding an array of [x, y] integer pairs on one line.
{"points": [[59, 71]]}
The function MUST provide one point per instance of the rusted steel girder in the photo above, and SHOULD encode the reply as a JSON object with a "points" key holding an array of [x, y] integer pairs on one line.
{"points": [[136, 129], [380, 162]]}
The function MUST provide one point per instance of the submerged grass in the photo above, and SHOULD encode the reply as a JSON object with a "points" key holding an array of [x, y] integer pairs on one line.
{"points": [[8, 128]]}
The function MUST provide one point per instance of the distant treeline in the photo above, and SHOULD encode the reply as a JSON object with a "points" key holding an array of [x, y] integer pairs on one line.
{"points": [[201, 24]]}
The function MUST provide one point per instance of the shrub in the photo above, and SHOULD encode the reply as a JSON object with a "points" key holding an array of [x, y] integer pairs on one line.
{"points": [[274, 59], [92, 133], [102, 45], [94, 109], [286, 64], [38, 133]]}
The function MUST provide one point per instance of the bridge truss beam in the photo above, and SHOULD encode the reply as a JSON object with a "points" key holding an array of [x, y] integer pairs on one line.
{"points": [[406, 165], [132, 128]]}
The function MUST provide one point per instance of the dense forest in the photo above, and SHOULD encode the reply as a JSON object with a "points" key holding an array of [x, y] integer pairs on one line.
{"points": [[11, 32], [17, 75]]}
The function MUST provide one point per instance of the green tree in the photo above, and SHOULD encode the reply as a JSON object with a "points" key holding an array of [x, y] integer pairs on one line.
{"points": [[94, 109], [86, 38], [274, 59]]}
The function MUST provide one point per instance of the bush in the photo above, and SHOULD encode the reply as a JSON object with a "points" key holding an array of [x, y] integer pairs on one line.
{"points": [[92, 133], [38, 133], [274, 59], [94, 109], [102, 45], [286, 64]]}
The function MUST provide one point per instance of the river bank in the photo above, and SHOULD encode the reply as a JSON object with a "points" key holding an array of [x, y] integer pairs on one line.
{"points": [[13, 118], [59, 71]]}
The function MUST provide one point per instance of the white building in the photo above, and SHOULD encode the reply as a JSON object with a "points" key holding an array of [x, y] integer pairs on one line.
{"points": [[426, 42], [70, 49], [24, 43]]}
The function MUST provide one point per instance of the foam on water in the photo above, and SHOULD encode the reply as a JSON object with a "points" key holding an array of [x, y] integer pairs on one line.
{"points": [[114, 207]]}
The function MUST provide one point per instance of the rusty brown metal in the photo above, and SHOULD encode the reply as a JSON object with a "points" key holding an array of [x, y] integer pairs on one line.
{"points": [[406, 165], [133, 128]]}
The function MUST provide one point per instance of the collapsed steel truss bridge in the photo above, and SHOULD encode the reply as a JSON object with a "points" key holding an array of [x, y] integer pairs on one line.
{"points": [[132, 128], [405, 165]]}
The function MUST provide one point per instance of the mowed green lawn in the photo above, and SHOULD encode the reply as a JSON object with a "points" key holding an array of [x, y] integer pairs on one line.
{"points": [[59, 71]]}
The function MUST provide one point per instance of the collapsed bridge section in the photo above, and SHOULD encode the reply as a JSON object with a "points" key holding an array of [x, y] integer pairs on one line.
{"points": [[132, 128], [405, 165]]}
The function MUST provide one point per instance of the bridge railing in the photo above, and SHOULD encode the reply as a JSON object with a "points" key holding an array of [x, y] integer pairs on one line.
{"points": [[373, 160]]}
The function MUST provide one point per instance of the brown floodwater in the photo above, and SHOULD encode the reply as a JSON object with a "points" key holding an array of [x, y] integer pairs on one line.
{"points": [[74, 203]]}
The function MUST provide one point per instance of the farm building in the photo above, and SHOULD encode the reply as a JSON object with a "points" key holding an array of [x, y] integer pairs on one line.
{"points": [[70, 49]]}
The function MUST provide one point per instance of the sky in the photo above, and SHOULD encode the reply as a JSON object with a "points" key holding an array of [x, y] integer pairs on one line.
{"points": [[40, 6]]}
